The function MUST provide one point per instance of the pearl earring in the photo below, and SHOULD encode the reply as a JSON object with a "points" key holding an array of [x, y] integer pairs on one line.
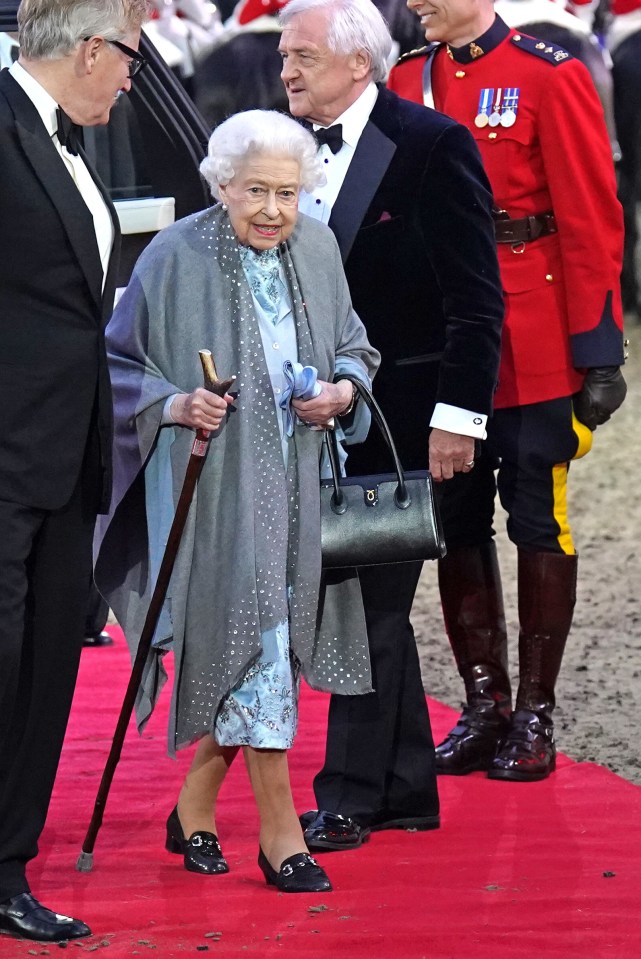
{"points": [[224, 206]]}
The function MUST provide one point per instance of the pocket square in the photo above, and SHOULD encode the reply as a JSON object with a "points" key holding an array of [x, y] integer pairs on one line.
{"points": [[384, 216]]}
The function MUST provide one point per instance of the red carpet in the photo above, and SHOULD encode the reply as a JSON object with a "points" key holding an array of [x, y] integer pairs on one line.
{"points": [[539, 871]]}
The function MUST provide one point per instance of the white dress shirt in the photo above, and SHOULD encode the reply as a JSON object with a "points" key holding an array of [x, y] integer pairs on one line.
{"points": [[319, 205], [75, 165]]}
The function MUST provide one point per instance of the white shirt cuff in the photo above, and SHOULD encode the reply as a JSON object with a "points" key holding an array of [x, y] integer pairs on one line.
{"points": [[454, 419], [167, 419]]}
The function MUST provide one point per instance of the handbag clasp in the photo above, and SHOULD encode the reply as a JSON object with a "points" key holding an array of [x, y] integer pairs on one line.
{"points": [[371, 496]]}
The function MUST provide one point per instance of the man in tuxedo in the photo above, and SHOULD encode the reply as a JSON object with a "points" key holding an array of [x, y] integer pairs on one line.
{"points": [[410, 205], [58, 250]]}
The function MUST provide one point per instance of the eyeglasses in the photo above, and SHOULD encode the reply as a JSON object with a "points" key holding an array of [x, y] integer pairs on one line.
{"points": [[136, 61]]}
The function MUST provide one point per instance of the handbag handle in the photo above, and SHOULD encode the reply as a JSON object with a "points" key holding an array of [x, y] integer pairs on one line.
{"points": [[401, 496]]}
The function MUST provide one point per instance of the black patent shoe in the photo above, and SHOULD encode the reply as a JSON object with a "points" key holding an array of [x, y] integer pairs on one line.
{"points": [[201, 852], [528, 752], [472, 744], [298, 873], [98, 639], [329, 832], [24, 916]]}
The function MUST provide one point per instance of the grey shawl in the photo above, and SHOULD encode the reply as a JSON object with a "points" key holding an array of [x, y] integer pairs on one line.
{"points": [[252, 528]]}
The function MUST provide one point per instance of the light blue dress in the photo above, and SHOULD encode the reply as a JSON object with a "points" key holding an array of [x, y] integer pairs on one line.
{"points": [[262, 709]]}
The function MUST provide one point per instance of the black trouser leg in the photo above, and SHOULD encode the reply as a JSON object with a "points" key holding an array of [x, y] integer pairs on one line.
{"points": [[97, 612], [45, 559], [380, 751]]}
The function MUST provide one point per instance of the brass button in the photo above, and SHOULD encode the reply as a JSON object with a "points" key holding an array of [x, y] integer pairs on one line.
{"points": [[549, 277], [492, 136], [459, 74]]}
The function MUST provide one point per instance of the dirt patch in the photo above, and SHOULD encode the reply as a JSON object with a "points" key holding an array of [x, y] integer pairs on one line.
{"points": [[599, 689]]}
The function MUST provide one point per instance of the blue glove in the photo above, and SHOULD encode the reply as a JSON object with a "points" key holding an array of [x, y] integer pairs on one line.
{"points": [[302, 384]]}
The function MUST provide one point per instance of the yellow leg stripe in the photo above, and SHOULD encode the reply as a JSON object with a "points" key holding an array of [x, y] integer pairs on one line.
{"points": [[584, 435], [560, 490]]}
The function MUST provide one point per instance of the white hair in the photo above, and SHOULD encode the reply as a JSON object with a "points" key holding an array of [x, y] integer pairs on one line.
{"points": [[255, 133], [49, 29], [352, 25]]}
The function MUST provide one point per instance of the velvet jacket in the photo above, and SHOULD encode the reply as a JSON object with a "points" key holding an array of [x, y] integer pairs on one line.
{"points": [[413, 223]]}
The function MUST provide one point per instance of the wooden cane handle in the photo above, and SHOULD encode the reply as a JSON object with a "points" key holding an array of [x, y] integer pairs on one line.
{"points": [[212, 383]]}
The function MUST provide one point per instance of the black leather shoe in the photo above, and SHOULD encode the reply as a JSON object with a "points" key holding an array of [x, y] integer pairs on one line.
{"points": [[98, 639], [329, 832], [528, 752], [471, 745], [387, 819], [326, 831], [24, 916], [201, 852], [298, 873]]}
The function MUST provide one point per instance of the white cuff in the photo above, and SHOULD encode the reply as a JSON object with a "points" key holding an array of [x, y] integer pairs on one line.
{"points": [[454, 419], [167, 419]]}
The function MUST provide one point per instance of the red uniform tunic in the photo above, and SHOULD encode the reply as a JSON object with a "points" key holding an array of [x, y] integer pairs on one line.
{"points": [[562, 291]]}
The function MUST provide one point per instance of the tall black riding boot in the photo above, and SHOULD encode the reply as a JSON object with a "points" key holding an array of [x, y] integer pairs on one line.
{"points": [[472, 600], [547, 594]]}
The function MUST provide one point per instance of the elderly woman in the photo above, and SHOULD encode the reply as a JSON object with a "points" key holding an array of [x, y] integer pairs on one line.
{"points": [[264, 288]]}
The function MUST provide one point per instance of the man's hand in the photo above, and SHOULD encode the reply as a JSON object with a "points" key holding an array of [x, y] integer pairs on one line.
{"points": [[450, 453], [602, 393]]}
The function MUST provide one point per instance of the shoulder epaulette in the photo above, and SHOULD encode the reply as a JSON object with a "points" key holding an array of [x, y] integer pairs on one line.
{"points": [[540, 48], [419, 52]]}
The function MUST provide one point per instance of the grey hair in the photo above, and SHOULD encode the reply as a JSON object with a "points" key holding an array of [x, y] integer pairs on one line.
{"points": [[352, 25], [258, 132], [53, 28]]}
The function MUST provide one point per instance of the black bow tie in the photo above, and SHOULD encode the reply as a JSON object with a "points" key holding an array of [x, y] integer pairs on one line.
{"points": [[67, 132], [332, 136]]}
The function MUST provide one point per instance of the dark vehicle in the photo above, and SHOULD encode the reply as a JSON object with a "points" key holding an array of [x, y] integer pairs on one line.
{"points": [[148, 155]]}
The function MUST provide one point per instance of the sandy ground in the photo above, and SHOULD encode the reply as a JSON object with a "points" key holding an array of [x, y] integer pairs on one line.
{"points": [[599, 689]]}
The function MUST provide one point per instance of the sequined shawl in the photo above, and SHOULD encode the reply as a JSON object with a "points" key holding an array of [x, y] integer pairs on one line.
{"points": [[253, 531]]}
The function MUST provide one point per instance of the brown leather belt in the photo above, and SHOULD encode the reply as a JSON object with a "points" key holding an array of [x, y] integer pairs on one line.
{"points": [[525, 229]]}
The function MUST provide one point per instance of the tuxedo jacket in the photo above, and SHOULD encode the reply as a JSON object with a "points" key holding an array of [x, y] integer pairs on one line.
{"points": [[54, 386], [413, 223]]}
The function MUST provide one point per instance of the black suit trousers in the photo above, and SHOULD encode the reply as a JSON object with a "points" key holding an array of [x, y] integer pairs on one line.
{"points": [[45, 565], [380, 750]]}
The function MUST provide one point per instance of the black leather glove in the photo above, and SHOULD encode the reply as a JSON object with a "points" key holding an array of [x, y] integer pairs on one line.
{"points": [[602, 393]]}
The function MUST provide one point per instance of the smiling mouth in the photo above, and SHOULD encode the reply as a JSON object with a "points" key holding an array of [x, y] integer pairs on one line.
{"points": [[267, 228]]}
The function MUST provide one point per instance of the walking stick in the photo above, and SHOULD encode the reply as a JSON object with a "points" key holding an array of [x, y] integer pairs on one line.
{"points": [[194, 469]]}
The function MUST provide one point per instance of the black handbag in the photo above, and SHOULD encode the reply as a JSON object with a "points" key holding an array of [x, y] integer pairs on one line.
{"points": [[371, 520]]}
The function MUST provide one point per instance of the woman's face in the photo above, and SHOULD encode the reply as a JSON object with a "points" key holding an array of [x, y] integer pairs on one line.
{"points": [[262, 200]]}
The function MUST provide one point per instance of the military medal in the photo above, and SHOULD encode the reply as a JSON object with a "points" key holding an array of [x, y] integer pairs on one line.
{"points": [[482, 118], [510, 106], [495, 115]]}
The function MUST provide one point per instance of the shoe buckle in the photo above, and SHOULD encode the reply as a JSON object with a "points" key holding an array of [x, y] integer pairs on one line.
{"points": [[196, 841], [287, 870]]}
